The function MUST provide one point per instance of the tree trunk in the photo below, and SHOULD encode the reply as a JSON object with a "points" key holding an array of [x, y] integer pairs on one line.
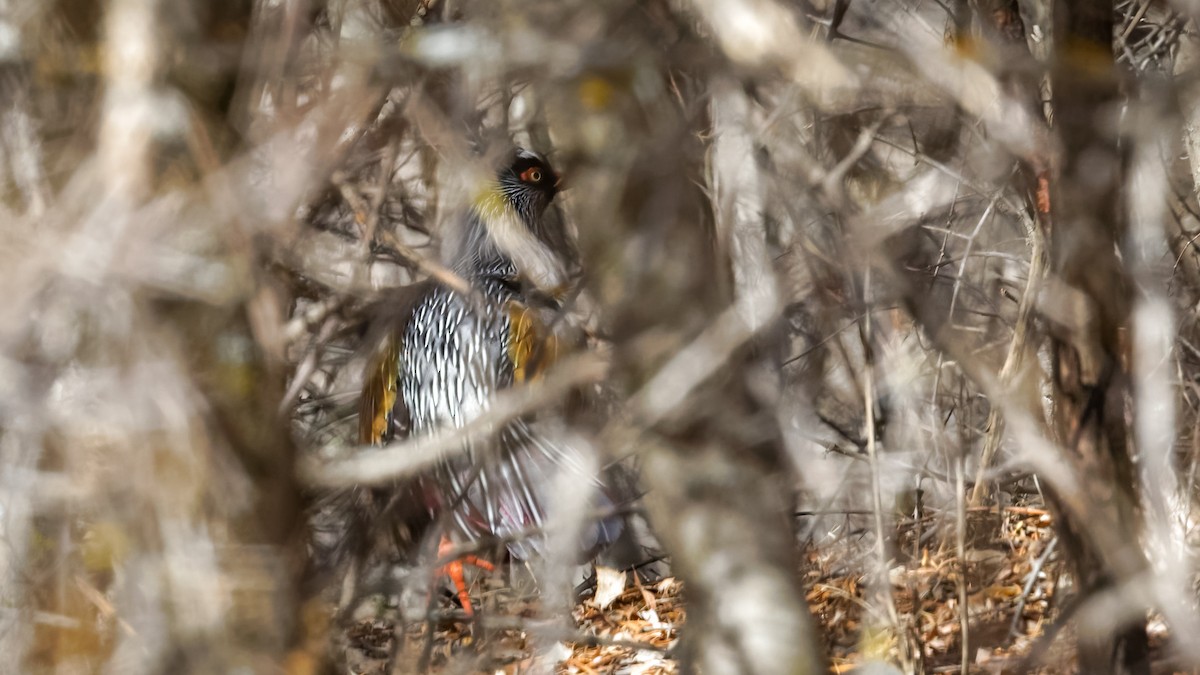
{"points": [[1088, 337]]}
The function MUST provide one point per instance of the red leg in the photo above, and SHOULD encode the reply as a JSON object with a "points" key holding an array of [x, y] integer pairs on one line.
{"points": [[455, 571]]}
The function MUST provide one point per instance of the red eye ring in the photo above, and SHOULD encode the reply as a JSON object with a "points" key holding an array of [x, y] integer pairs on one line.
{"points": [[532, 175]]}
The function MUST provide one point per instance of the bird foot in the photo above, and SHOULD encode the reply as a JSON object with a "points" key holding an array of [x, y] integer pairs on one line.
{"points": [[456, 570]]}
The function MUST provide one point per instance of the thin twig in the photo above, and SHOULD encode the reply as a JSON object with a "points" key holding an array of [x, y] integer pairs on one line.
{"points": [[1034, 571], [882, 583], [1014, 360]]}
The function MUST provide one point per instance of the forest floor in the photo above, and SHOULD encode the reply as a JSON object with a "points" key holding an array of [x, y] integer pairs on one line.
{"points": [[1015, 583]]}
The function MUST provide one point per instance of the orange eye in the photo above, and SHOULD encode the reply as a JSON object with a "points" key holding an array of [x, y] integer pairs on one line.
{"points": [[533, 175]]}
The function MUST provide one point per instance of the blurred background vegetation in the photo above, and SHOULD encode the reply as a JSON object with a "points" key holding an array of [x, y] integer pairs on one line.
{"points": [[891, 309]]}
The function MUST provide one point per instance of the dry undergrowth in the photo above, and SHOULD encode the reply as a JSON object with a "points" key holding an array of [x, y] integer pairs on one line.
{"points": [[1011, 567]]}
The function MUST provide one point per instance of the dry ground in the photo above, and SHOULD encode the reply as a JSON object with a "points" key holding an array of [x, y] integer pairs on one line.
{"points": [[1015, 585]]}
